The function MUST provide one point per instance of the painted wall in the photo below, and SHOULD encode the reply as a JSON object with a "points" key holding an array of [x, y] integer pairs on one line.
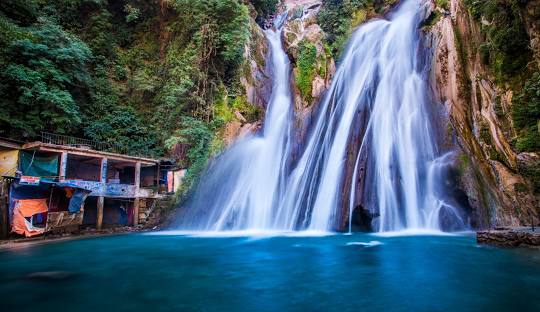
{"points": [[8, 162]]}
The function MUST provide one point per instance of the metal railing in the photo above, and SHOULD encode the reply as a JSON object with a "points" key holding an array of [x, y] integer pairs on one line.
{"points": [[60, 139]]}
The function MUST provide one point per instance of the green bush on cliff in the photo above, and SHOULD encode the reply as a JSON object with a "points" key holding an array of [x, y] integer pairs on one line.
{"points": [[226, 111], [264, 8], [526, 115], [532, 172], [197, 137], [336, 19], [506, 48], [305, 64], [250, 112], [443, 4]]}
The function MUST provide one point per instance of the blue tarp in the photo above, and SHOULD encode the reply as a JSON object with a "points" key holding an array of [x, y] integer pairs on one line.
{"points": [[78, 198]]}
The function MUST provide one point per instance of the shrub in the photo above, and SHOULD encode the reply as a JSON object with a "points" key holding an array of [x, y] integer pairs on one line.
{"points": [[443, 4], [526, 115], [305, 65], [264, 8]]}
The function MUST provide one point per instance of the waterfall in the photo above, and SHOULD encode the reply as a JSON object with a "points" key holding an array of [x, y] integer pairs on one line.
{"points": [[241, 190], [380, 93]]}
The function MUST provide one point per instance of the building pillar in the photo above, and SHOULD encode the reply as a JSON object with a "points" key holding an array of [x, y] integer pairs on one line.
{"points": [[4, 203], [136, 211], [103, 174], [101, 199], [63, 166], [99, 216], [137, 186]]}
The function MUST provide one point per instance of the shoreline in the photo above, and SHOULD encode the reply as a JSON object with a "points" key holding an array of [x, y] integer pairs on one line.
{"points": [[500, 237], [23, 242]]}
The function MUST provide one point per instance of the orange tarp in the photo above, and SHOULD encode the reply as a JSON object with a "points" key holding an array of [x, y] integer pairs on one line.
{"points": [[27, 208]]}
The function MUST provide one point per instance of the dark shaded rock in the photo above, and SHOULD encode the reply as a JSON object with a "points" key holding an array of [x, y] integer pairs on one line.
{"points": [[362, 219]]}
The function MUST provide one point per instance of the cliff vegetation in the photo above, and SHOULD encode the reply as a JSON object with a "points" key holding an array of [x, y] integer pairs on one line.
{"points": [[143, 75]]}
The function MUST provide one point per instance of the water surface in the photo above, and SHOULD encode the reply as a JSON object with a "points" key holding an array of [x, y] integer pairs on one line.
{"points": [[359, 272]]}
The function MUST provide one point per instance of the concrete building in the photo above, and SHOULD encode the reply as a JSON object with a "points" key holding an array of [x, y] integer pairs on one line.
{"points": [[122, 189]]}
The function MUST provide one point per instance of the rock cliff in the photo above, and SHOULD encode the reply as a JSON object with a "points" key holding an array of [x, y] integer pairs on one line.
{"points": [[480, 126]]}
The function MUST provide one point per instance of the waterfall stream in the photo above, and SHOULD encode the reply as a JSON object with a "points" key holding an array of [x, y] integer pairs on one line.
{"points": [[256, 185], [241, 190]]}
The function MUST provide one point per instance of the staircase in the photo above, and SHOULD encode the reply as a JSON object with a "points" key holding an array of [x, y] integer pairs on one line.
{"points": [[152, 213]]}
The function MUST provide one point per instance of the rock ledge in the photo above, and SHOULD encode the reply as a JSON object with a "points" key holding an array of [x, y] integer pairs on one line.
{"points": [[510, 237]]}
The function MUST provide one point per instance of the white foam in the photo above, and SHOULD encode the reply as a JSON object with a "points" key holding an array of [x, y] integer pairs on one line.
{"points": [[413, 232], [365, 244], [243, 233]]}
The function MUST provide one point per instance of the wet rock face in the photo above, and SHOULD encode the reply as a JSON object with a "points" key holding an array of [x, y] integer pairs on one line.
{"points": [[479, 124], [256, 79]]}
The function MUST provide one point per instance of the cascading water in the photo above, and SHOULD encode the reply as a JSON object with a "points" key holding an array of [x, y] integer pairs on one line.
{"points": [[251, 185]]}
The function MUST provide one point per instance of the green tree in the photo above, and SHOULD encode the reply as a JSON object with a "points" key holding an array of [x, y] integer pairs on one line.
{"points": [[196, 136], [42, 76]]}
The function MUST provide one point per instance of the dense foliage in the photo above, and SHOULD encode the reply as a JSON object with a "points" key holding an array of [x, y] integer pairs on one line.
{"points": [[264, 8], [506, 48], [198, 136], [526, 115], [53, 80], [43, 67], [132, 73], [336, 19]]}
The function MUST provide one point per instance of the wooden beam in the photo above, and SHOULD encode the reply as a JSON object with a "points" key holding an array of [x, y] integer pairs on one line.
{"points": [[46, 147], [9, 144]]}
